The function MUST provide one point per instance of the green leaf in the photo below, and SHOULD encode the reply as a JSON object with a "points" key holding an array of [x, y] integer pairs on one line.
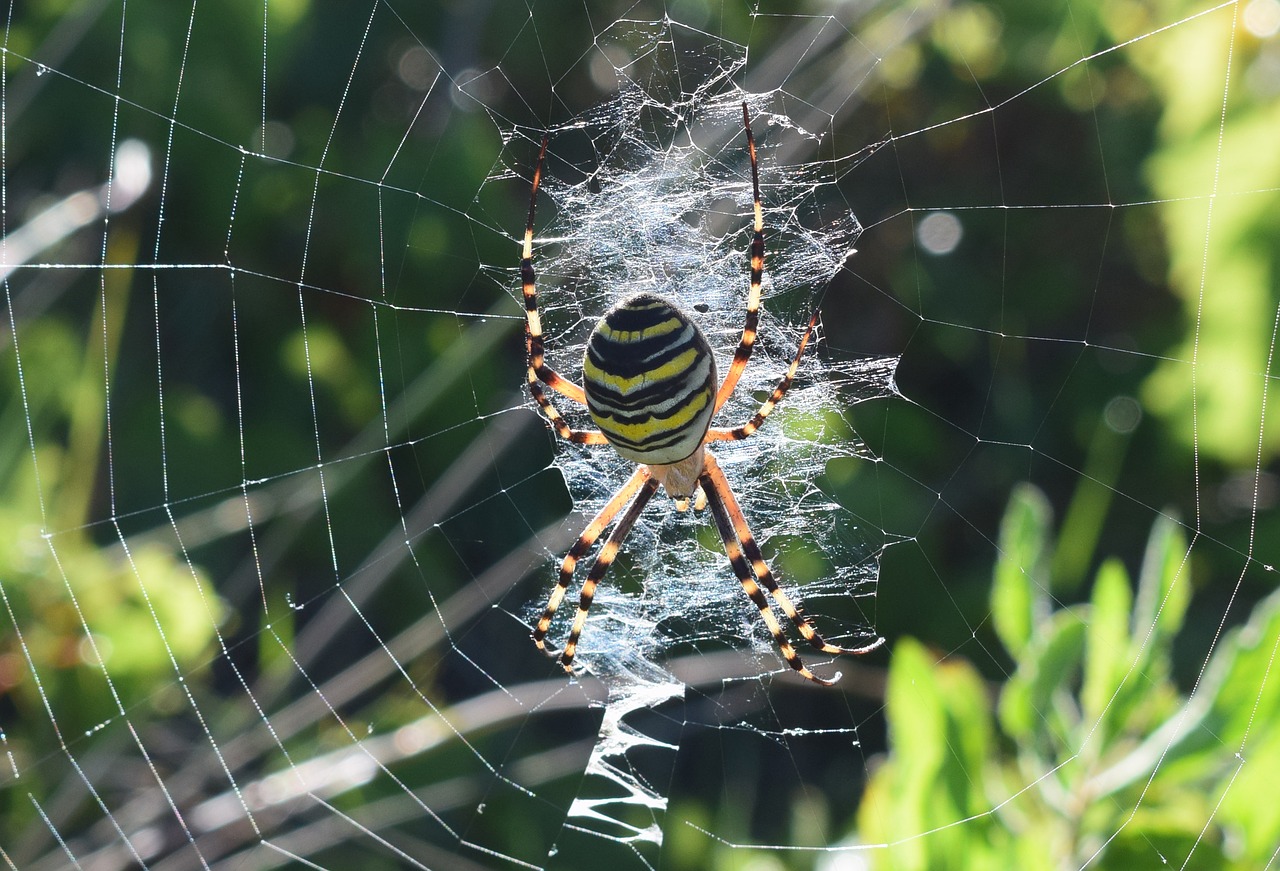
{"points": [[914, 706], [1243, 683], [1164, 585], [1018, 598], [1107, 653], [940, 738], [1027, 708], [1217, 752], [1142, 686], [900, 789]]}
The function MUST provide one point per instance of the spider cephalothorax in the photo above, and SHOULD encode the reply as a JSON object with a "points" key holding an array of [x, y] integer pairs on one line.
{"points": [[649, 384]]}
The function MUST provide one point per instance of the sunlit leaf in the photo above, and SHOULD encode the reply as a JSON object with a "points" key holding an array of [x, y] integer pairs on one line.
{"points": [[1107, 657], [1017, 599]]}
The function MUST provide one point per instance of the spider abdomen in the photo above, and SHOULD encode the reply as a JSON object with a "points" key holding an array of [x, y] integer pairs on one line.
{"points": [[650, 380]]}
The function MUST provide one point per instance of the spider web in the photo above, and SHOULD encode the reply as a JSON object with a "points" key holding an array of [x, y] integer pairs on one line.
{"points": [[661, 210], [278, 513]]}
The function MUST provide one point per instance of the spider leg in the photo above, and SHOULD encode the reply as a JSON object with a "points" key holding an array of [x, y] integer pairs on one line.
{"points": [[738, 433], [581, 436], [748, 341], [581, 546], [539, 372], [723, 507], [603, 560], [761, 568], [533, 322]]}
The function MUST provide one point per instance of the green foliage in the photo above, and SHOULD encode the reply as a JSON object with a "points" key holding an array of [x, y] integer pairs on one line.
{"points": [[1016, 605], [1091, 755], [1217, 142], [80, 599]]}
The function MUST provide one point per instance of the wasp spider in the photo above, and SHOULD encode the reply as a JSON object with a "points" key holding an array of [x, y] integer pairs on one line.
{"points": [[649, 384]]}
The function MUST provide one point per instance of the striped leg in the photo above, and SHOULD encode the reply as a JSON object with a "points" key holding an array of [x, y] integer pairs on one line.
{"points": [[603, 560], [724, 435], [751, 549], [581, 546], [717, 497], [743, 353], [539, 372], [581, 436]]}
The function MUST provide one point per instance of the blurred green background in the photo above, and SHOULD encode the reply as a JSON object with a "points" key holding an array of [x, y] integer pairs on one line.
{"points": [[1074, 495]]}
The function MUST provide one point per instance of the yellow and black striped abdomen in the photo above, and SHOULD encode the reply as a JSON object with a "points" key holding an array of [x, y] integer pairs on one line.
{"points": [[650, 380]]}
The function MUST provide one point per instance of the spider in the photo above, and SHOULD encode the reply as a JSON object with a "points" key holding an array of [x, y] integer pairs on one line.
{"points": [[649, 384]]}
